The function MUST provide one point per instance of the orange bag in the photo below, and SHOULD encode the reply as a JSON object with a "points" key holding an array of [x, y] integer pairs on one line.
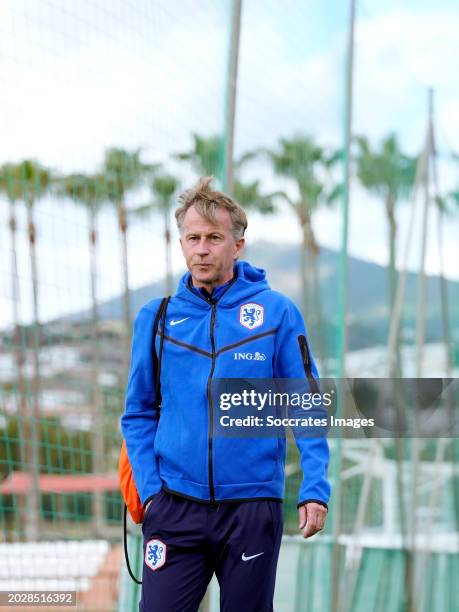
{"points": [[128, 488], [132, 502]]}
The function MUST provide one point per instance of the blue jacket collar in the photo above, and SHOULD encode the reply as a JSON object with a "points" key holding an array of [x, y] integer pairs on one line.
{"points": [[217, 291], [247, 283]]}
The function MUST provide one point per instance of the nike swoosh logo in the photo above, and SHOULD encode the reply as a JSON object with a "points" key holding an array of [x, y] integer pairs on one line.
{"points": [[244, 558], [179, 321]]}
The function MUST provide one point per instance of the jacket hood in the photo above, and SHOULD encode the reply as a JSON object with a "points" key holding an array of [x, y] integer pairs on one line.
{"points": [[248, 282]]}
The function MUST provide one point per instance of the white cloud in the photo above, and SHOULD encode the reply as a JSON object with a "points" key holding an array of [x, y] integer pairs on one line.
{"points": [[399, 54]]}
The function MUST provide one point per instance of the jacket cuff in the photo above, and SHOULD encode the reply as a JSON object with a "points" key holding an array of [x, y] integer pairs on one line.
{"points": [[316, 501]]}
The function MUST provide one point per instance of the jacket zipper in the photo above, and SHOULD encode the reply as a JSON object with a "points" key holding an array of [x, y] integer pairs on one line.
{"points": [[304, 349], [213, 305], [211, 409]]}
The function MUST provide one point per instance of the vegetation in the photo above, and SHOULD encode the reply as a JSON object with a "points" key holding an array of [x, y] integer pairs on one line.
{"points": [[136, 189]]}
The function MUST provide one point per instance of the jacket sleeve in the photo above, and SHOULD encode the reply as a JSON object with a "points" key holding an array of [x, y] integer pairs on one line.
{"points": [[139, 423], [289, 362]]}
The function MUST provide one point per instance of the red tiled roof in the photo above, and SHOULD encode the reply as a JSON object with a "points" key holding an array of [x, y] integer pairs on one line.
{"points": [[19, 483]]}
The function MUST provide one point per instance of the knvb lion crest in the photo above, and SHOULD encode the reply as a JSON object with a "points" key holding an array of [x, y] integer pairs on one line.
{"points": [[251, 315], [155, 554]]}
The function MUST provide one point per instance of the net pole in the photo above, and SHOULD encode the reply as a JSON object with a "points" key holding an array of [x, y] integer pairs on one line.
{"points": [[231, 94], [335, 508]]}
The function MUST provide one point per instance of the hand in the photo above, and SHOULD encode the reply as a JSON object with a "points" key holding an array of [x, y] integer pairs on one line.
{"points": [[311, 518]]}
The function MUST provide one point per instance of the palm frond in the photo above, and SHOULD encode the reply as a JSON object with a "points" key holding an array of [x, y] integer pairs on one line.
{"points": [[142, 212]]}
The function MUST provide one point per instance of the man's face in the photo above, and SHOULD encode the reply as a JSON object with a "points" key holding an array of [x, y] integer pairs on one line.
{"points": [[209, 250]]}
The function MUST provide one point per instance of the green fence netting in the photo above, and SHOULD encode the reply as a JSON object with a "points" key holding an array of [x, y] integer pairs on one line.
{"points": [[110, 110]]}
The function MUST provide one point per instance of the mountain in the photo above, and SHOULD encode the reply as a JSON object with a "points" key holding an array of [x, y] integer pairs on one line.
{"points": [[368, 312]]}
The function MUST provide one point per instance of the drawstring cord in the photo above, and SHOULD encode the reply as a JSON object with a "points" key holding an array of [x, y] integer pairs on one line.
{"points": [[161, 316], [126, 556]]}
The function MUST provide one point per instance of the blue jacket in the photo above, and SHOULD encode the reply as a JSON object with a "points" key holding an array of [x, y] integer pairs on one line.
{"points": [[178, 451]]}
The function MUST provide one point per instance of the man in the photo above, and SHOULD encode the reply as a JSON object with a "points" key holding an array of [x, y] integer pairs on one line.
{"points": [[214, 504]]}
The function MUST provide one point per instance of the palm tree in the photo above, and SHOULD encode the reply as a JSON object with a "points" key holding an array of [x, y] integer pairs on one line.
{"points": [[163, 187], [206, 159], [123, 171], [90, 191], [248, 195], [453, 200], [206, 156], [31, 182], [9, 187], [389, 174], [303, 161]]}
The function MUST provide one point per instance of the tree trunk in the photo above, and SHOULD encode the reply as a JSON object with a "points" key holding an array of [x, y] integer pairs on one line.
{"points": [[318, 329], [309, 247], [303, 279], [33, 443], [399, 443], [168, 253], [123, 226], [96, 396], [392, 272], [19, 353], [314, 309], [392, 240]]}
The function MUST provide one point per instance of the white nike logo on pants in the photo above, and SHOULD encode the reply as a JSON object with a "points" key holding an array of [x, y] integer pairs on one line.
{"points": [[244, 558]]}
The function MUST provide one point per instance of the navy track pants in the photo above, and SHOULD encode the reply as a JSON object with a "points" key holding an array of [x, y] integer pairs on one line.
{"points": [[185, 542]]}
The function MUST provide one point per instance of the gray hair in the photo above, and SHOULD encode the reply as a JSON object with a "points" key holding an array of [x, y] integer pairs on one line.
{"points": [[206, 201]]}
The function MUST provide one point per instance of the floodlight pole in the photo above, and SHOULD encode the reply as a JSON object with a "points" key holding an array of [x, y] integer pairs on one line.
{"points": [[230, 104], [336, 459], [420, 340]]}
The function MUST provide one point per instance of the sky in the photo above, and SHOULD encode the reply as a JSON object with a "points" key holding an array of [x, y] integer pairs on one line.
{"points": [[79, 76]]}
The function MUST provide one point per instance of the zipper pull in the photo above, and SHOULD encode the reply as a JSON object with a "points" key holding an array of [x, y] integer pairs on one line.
{"points": [[213, 305]]}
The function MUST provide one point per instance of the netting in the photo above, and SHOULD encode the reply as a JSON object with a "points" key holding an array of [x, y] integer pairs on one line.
{"points": [[109, 111]]}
